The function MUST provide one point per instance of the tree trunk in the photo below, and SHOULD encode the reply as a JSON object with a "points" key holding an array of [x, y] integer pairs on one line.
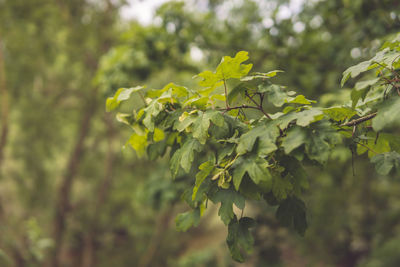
{"points": [[88, 258], [64, 191], [4, 107]]}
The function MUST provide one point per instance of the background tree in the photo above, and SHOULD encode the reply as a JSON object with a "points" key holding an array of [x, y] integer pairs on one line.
{"points": [[69, 196]]}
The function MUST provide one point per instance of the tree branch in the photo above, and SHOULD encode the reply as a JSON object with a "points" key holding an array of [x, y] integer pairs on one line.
{"points": [[359, 120], [239, 107]]}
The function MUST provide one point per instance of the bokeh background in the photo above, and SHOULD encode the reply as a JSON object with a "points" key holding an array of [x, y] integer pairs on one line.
{"points": [[71, 193]]}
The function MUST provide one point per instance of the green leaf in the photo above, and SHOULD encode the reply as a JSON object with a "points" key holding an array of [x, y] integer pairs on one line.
{"points": [[233, 67], [158, 135], [228, 68], [281, 187], [259, 75], [187, 219], [364, 84], [184, 156], [209, 78], [156, 150], [127, 119], [169, 91], [386, 162], [320, 142], [274, 94], [373, 145], [266, 133], [202, 123], [175, 163], [305, 117], [388, 115], [295, 137], [205, 170], [228, 197], [139, 143], [292, 213], [151, 111], [354, 71], [283, 120], [256, 168], [249, 189], [357, 95], [298, 175], [300, 99], [339, 113], [196, 101], [122, 94], [239, 237], [239, 89], [184, 121], [188, 150]]}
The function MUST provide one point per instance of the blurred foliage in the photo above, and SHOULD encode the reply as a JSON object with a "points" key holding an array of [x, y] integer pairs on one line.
{"points": [[62, 58]]}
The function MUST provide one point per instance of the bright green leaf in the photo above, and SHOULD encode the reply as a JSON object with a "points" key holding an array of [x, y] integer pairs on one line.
{"points": [[158, 135], [139, 143]]}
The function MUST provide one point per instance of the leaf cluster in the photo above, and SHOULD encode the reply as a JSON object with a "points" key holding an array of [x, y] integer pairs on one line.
{"points": [[223, 136]]}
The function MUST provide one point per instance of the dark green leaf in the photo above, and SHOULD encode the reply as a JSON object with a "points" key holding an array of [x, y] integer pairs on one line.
{"points": [[256, 168], [281, 187], [295, 137], [239, 237], [267, 133], [386, 162], [227, 197], [292, 213]]}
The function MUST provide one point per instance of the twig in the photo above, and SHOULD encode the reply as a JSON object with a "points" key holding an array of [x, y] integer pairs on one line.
{"points": [[359, 120], [259, 106], [352, 161], [370, 149], [226, 95], [239, 107], [142, 97]]}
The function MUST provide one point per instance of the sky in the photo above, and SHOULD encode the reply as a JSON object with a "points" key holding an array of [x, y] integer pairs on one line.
{"points": [[143, 10]]}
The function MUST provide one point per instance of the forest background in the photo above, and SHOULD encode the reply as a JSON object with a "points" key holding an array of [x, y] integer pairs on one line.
{"points": [[72, 195]]}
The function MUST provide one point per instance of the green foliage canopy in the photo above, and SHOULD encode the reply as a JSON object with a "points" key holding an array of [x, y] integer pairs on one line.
{"points": [[236, 156]]}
